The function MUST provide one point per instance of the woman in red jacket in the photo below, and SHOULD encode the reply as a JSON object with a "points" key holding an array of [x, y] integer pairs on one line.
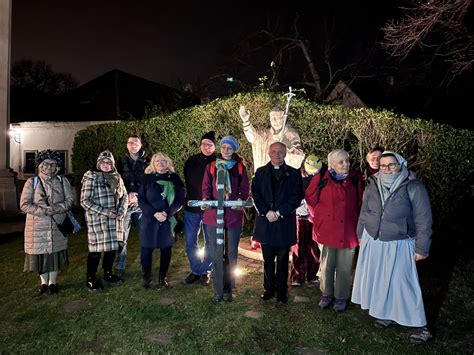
{"points": [[334, 201]]}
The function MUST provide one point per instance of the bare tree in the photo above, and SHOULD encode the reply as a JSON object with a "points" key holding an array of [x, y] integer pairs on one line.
{"points": [[437, 27], [291, 58], [38, 76]]}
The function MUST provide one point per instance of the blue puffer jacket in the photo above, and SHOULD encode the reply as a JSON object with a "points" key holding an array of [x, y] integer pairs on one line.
{"points": [[407, 214]]}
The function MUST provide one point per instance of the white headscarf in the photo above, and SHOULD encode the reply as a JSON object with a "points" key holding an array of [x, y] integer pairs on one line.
{"points": [[388, 183]]}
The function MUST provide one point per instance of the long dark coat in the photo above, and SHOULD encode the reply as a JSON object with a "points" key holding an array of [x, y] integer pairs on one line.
{"points": [[281, 233], [155, 234]]}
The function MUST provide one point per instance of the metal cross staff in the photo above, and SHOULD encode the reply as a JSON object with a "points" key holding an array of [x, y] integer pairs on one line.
{"points": [[220, 203], [289, 95]]}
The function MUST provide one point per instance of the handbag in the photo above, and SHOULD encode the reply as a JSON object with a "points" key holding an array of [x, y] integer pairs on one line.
{"points": [[70, 224], [67, 227]]}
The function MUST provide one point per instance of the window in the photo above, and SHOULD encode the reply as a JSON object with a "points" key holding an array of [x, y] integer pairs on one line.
{"points": [[63, 154], [30, 156]]}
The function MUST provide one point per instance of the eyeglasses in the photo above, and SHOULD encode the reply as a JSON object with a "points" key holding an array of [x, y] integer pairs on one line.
{"points": [[390, 166], [207, 145], [50, 165]]}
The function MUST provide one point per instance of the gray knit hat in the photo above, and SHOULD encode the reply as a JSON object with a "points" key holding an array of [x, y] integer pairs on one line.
{"points": [[106, 155]]}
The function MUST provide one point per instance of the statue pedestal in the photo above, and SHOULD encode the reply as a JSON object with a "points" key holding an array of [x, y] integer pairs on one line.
{"points": [[8, 196], [247, 251]]}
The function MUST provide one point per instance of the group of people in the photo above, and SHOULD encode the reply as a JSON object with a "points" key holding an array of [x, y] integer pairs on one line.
{"points": [[319, 212]]}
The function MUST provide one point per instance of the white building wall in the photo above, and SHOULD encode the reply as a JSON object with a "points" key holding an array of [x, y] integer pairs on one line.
{"points": [[37, 136]]}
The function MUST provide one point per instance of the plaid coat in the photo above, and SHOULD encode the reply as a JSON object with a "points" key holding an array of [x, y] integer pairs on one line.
{"points": [[97, 199]]}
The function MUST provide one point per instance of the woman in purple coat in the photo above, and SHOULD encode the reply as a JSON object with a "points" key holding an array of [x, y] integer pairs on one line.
{"points": [[160, 197], [236, 187]]}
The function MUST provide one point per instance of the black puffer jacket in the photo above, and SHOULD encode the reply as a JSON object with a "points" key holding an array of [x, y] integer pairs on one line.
{"points": [[132, 171]]}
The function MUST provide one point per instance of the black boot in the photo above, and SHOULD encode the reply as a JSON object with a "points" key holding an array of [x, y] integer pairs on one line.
{"points": [[111, 280], [147, 280], [93, 284], [163, 282]]}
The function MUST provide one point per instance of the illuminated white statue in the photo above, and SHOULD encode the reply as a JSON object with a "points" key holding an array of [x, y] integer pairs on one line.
{"points": [[280, 131]]}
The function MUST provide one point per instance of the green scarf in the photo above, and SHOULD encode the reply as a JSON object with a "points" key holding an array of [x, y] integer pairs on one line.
{"points": [[169, 194]]}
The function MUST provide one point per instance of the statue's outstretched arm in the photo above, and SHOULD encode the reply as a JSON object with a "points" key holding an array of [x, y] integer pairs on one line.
{"points": [[249, 130]]}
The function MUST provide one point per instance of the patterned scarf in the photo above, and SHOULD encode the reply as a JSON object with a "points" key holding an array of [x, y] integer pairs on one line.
{"points": [[226, 165], [112, 179]]}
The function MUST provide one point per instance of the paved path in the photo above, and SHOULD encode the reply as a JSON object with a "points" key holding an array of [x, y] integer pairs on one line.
{"points": [[249, 258]]}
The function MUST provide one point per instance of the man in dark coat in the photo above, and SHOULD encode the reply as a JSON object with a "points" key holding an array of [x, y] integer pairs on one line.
{"points": [[193, 174], [131, 168], [277, 192]]}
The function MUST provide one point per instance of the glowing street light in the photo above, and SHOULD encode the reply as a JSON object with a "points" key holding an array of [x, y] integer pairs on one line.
{"points": [[238, 272], [200, 253], [15, 134]]}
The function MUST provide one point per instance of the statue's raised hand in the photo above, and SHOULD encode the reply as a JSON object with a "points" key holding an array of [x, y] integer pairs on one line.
{"points": [[244, 114]]}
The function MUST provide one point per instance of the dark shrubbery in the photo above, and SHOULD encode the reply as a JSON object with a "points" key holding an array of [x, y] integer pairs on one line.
{"points": [[442, 156]]}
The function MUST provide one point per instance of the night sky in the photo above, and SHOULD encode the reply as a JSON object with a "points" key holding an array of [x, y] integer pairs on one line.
{"points": [[175, 42], [158, 40]]}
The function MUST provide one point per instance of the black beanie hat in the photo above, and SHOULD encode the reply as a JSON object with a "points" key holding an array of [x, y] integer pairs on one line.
{"points": [[210, 135]]}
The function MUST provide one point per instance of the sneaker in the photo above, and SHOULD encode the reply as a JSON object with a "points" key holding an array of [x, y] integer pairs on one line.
{"points": [[227, 297], [266, 295], [296, 284], [217, 298], [340, 305], [383, 323], [112, 280], [163, 283], [325, 301], [94, 285], [147, 283], [314, 280], [191, 278], [282, 299], [53, 289], [205, 280], [420, 335]]}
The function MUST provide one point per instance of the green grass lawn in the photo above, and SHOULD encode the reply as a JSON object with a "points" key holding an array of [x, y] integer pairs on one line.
{"points": [[130, 319]]}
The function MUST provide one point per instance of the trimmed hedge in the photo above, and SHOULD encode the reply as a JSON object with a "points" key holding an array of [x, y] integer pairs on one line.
{"points": [[441, 155]]}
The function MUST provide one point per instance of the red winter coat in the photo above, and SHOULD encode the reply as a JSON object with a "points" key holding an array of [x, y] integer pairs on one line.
{"points": [[335, 216]]}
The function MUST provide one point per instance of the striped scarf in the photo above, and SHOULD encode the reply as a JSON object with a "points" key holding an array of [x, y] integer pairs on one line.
{"points": [[226, 165]]}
